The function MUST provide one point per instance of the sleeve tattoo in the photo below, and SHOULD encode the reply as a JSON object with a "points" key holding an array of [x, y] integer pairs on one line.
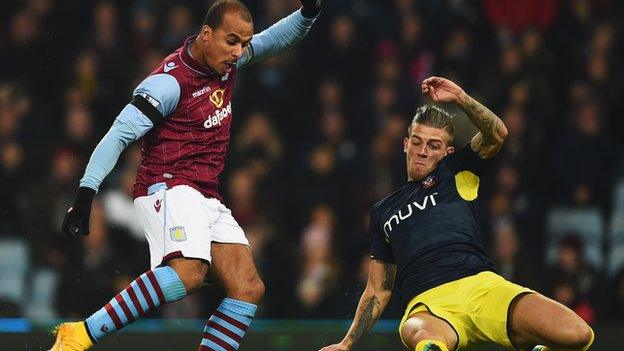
{"points": [[388, 282], [368, 317], [492, 129], [372, 307]]}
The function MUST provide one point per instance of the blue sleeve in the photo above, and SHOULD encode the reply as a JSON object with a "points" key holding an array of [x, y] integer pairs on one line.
{"points": [[160, 90], [277, 38], [130, 125]]}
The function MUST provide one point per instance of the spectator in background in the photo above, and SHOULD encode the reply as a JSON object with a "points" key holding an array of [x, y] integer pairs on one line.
{"points": [[511, 259], [565, 292], [12, 216], [320, 270], [126, 237], [97, 266], [616, 299], [571, 269], [78, 129], [583, 160], [43, 227], [144, 24]]}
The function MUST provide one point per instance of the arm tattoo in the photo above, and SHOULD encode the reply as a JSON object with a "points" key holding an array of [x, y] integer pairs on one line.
{"points": [[368, 317], [388, 281], [373, 302], [492, 129]]}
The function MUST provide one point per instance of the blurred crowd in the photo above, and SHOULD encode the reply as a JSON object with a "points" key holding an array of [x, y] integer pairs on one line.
{"points": [[317, 139]]}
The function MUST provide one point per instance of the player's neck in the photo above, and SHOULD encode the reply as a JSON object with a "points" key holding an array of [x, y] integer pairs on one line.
{"points": [[196, 52]]}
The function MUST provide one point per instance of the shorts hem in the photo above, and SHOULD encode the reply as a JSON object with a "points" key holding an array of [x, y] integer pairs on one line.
{"points": [[409, 315], [178, 254], [508, 324]]}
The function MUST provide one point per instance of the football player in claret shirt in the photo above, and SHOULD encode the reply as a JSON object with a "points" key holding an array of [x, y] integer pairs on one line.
{"points": [[426, 237], [183, 113]]}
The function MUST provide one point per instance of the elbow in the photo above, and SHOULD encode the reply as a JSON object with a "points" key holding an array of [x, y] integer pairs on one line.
{"points": [[502, 133]]}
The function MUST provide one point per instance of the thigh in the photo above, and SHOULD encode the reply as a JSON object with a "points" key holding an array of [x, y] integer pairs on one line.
{"points": [[536, 319], [224, 229], [150, 215], [186, 224], [490, 300], [192, 272], [233, 266], [422, 325]]}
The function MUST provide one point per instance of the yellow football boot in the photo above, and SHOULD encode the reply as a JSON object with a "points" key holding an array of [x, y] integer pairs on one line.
{"points": [[71, 337]]}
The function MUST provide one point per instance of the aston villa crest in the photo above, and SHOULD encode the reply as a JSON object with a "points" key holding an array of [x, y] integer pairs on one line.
{"points": [[428, 182]]}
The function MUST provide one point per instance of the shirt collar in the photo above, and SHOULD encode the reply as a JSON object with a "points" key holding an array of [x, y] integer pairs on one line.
{"points": [[190, 62]]}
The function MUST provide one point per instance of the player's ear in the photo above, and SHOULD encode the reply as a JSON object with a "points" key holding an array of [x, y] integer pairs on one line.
{"points": [[206, 32], [405, 144], [449, 150]]}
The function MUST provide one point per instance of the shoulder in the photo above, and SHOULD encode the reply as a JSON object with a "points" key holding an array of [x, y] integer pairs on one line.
{"points": [[161, 87], [388, 200], [467, 159]]}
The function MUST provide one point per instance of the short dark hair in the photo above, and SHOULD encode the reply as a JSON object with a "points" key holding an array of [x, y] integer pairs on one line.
{"points": [[218, 9], [435, 117]]}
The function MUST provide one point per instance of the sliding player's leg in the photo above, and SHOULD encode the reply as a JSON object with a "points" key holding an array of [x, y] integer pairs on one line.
{"points": [[424, 332], [536, 319]]}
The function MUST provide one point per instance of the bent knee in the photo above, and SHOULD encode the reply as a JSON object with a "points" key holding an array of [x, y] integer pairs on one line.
{"points": [[414, 332], [582, 336], [192, 273], [578, 336], [250, 291]]}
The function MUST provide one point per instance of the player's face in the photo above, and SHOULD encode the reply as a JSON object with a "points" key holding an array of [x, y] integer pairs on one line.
{"points": [[424, 149], [226, 44]]}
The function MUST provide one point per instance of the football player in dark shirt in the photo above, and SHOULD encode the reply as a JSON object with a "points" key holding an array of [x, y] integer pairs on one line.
{"points": [[425, 242]]}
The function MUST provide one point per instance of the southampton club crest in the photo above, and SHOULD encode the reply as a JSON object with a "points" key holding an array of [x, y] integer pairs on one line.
{"points": [[428, 182]]}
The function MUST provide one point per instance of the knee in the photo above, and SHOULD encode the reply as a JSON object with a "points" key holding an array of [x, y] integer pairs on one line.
{"points": [[191, 272], [423, 334], [192, 281], [580, 336], [254, 291], [250, 291]]}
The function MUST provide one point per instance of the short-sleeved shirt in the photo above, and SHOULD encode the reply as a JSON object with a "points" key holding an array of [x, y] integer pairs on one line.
{"points": [[429, 228]]}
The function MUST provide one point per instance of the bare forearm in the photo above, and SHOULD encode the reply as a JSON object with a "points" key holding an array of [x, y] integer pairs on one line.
{"points": [[492, 130], [491, 127], [369, 310]]}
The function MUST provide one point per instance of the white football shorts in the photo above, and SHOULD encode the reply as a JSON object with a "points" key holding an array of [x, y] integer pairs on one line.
{"points": [[181, 222]]}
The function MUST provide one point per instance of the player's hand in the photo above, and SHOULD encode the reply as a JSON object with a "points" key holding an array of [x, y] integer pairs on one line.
{"points": [[441, 89], [76, 220], [335, 347], [310, 8]]}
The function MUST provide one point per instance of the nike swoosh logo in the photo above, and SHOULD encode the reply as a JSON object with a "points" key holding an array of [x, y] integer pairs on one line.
{"points": [[169, 66]]}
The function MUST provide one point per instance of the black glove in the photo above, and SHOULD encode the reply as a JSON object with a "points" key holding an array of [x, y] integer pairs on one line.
{"points": [[311, 8], [76, 220]]}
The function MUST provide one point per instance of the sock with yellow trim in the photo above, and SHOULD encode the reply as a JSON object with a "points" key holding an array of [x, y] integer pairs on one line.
{"points": [[431, 345]]}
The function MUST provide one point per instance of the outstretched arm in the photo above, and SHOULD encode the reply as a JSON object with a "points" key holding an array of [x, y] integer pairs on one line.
{"points": [[282, 35], [153, 99], [492, 130], [372, 303]]}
